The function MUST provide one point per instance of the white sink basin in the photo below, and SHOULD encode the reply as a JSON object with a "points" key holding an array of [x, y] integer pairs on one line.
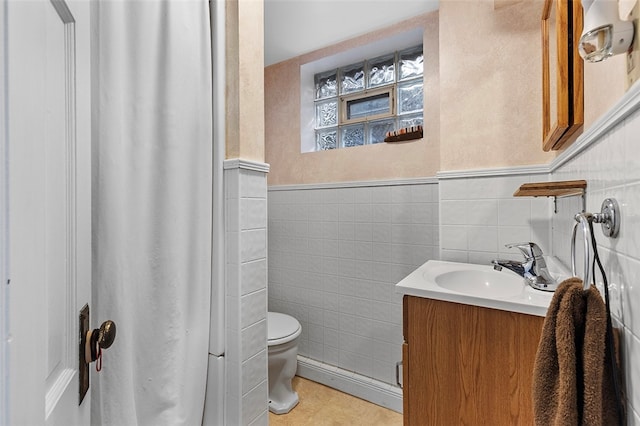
{"points": [[479, 285], [482, 283]]}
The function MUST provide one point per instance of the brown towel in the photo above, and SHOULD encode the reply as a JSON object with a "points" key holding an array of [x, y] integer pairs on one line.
{"points": [[572, 382]]}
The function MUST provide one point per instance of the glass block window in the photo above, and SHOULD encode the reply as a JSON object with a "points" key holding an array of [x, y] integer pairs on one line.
{"points": [[409, 97], [410, 120], [357, 104], [352, 135], [378, 130], [326, 139], [410, 63], [352, 78], [382, 71], [326, 85], [326, 114]]}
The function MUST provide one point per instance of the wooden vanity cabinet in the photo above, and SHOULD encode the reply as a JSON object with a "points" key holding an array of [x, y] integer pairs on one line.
{"points": [[467, 365]]}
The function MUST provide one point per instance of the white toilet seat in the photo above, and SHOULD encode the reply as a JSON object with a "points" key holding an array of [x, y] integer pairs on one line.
{"points": [[281, 328]]}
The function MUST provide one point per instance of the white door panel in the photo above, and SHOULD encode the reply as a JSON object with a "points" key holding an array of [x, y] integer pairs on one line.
{"points": [[49, 206]]}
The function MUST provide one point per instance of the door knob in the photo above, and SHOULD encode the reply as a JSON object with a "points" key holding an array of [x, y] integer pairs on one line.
{"points": [[98, 339], [91, 343], [106, 334]]}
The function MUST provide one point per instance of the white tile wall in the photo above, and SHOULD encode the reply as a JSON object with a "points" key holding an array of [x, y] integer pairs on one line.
{"points": [[335, 255], [246, 297], [479, 216], [611, 167]]}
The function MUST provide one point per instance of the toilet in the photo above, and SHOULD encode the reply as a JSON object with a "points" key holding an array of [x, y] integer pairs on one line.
{"points": [[283, 331]]}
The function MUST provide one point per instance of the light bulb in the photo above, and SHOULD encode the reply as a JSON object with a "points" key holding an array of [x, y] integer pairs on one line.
{"points": [[595, 45], [603, 34]]}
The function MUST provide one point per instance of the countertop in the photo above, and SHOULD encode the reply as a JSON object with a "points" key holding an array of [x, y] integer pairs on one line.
{"points": [[522, 298]]}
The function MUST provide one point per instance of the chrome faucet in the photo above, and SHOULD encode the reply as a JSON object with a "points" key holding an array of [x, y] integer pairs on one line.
{"points": [[533, 269]]}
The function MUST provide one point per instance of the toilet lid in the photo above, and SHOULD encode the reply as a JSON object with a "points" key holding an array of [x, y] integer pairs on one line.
{"points": [[281, 328]]}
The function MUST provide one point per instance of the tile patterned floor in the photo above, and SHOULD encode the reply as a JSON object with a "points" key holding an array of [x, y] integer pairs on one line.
{"points": [[323, 406]]}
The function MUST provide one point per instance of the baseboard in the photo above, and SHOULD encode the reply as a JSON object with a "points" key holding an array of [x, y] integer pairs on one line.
{"points": [[366, 388]]}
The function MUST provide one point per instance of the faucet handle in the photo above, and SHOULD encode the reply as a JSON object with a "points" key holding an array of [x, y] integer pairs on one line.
{"points": [[529, 250]]}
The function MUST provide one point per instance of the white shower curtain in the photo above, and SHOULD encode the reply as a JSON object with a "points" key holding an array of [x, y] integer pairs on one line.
{"points": [[152, 205]]}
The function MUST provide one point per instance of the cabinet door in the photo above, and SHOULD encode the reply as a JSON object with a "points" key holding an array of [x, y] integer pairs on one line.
{"points": [[562, 74], [468, 365]]}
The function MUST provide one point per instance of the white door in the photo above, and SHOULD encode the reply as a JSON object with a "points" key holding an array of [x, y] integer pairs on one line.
{"points": [[49, 134]]}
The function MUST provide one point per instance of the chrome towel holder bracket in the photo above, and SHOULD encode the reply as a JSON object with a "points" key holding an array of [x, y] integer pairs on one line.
{"points": [[609, 218]]}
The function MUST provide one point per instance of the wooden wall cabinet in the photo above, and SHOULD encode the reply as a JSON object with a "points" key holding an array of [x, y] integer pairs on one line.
{"points": [[466, 364], [562, 74]]}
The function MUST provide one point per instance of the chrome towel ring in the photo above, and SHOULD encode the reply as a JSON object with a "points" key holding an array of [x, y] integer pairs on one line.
{"points": [[609, 217], [582, 219]]}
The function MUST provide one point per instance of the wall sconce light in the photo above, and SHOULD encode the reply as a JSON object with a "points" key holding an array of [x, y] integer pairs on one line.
{"points": [[603, 34]]}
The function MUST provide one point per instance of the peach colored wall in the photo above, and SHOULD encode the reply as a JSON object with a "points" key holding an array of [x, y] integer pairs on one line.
{"points": [[491, 84], [372, 162], [245, 80], [604, 85], [491, 90], [485, 88]]}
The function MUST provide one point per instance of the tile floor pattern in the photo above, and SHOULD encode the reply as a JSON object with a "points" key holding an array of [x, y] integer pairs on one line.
{"points": [[323, 406]]}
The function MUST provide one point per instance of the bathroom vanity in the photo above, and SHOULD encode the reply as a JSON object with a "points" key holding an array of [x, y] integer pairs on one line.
{"points": [[466, 364], [470, 339]]}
